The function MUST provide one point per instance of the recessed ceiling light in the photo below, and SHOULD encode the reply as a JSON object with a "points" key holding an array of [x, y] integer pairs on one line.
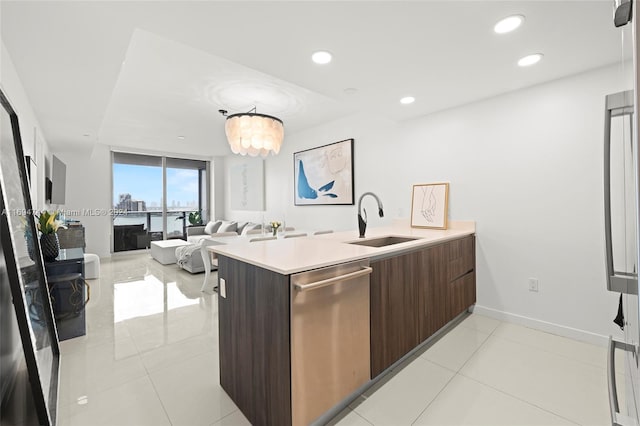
{"points": [[407, 100], [508, 24], [321, 57], [530, 60]]}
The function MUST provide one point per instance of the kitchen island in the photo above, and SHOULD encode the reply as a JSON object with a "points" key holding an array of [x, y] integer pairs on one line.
{"points": [[271, 344]]}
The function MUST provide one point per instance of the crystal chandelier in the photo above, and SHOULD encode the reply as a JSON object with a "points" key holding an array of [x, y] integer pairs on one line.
{"points": [[254, 134]]}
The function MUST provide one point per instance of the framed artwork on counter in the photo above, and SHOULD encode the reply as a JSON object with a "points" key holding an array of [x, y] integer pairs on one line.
{"points": [[429, 205]]}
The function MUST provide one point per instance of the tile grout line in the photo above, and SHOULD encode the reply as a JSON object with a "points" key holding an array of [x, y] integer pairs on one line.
{"points": [[155, 390], [434, 398], [455, 372], [553, 352], [479, 347], [224, 417], [362, 417], [458, 373], [492, 334], [520, 399]]}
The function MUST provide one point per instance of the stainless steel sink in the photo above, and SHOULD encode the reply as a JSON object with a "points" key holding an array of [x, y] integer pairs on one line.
{"points": [[383, 241]]}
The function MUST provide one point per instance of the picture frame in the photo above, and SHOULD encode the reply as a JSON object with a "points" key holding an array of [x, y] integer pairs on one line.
{"points": [[324, 175], [25, 270], [429, 205]]}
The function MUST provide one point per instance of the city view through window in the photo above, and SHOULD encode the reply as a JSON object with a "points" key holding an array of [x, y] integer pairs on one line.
{"points": [[138, 196]]}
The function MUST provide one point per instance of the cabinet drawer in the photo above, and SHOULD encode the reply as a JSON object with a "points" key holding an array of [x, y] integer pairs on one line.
{"points": [[66, 267], [462, 294], [462, 257]]}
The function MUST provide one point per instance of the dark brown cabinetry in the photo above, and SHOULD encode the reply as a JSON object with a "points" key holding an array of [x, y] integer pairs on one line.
{"points": [[394, 308], [254, 341], [433, 291], [462, 294], [461, 275], [411, 296], [415, 294]]}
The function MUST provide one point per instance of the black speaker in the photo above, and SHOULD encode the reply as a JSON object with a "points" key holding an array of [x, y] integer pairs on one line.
{"points": [[48, 187]]}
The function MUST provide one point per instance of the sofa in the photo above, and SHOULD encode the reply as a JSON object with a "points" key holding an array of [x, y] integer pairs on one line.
{"points": [[218, 227], [189, 258]]}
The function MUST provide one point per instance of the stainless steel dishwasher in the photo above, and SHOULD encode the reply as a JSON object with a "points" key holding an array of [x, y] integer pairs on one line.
{"points": [[330, 341]]}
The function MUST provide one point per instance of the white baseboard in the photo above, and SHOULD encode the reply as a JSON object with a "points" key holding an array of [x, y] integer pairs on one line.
{"points": [[548, 327]]}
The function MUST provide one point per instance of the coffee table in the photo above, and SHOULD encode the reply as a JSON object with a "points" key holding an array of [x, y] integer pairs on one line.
{"points": [[165, 251]]}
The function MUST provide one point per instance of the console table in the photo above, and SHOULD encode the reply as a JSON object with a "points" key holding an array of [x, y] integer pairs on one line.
{"points": [[65, 277]]}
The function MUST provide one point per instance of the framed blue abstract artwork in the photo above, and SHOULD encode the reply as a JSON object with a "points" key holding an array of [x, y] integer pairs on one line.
{"points": [[324, 175]]}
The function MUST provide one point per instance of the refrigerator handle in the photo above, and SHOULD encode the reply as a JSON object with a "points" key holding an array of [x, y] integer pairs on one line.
{"points": [[607, 198], [617, 419], [620, 283]]}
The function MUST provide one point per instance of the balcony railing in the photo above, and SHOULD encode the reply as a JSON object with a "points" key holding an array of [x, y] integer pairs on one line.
{"points": [[136, 229]]}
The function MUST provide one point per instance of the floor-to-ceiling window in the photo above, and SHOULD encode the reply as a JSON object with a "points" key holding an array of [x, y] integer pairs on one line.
{"points": [[153, 197], [186, 192]]}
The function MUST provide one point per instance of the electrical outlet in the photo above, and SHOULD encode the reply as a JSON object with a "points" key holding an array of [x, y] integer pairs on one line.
{"points": [[533, 284], [222, 287]]}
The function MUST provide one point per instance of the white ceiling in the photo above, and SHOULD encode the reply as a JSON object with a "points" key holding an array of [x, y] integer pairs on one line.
{"points": [[140, 74]]}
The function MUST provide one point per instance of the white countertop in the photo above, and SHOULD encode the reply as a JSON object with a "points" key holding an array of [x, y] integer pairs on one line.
{"points": [[292, 255]]}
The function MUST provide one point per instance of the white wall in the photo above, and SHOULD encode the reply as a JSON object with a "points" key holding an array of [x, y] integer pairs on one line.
{"points": [[33, 143], [279, 176], [88, 191], [218, 185], [526, 166]]}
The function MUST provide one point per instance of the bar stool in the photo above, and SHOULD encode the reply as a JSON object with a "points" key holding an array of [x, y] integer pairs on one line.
{"points": [[253, 240], [302, 234]]}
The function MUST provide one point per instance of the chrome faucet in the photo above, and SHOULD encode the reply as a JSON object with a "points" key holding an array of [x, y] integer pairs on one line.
{"points": [[362, 223]]}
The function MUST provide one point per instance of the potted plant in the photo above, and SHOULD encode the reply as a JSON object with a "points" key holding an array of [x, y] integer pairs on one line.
{"points": [[195, 218], [48, 225]]}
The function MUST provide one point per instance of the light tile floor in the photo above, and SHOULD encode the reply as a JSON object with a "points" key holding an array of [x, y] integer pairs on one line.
{"points": [[150, 357]]}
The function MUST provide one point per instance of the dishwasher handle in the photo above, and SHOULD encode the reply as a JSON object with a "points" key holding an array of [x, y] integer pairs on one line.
{"points": [[330, 281]]}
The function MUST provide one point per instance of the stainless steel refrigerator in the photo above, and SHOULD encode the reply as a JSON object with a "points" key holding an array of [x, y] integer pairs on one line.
{"points": [[621, 184]]}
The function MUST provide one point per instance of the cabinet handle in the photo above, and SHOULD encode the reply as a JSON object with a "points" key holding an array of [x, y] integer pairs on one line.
{"points": [[617, 419], [329, 281], [88, 293]]}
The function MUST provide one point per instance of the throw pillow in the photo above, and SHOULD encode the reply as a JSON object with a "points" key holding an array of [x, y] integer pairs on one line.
{"points": [[250, 227], [212, 227], [228, 226], [241, 226]]}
